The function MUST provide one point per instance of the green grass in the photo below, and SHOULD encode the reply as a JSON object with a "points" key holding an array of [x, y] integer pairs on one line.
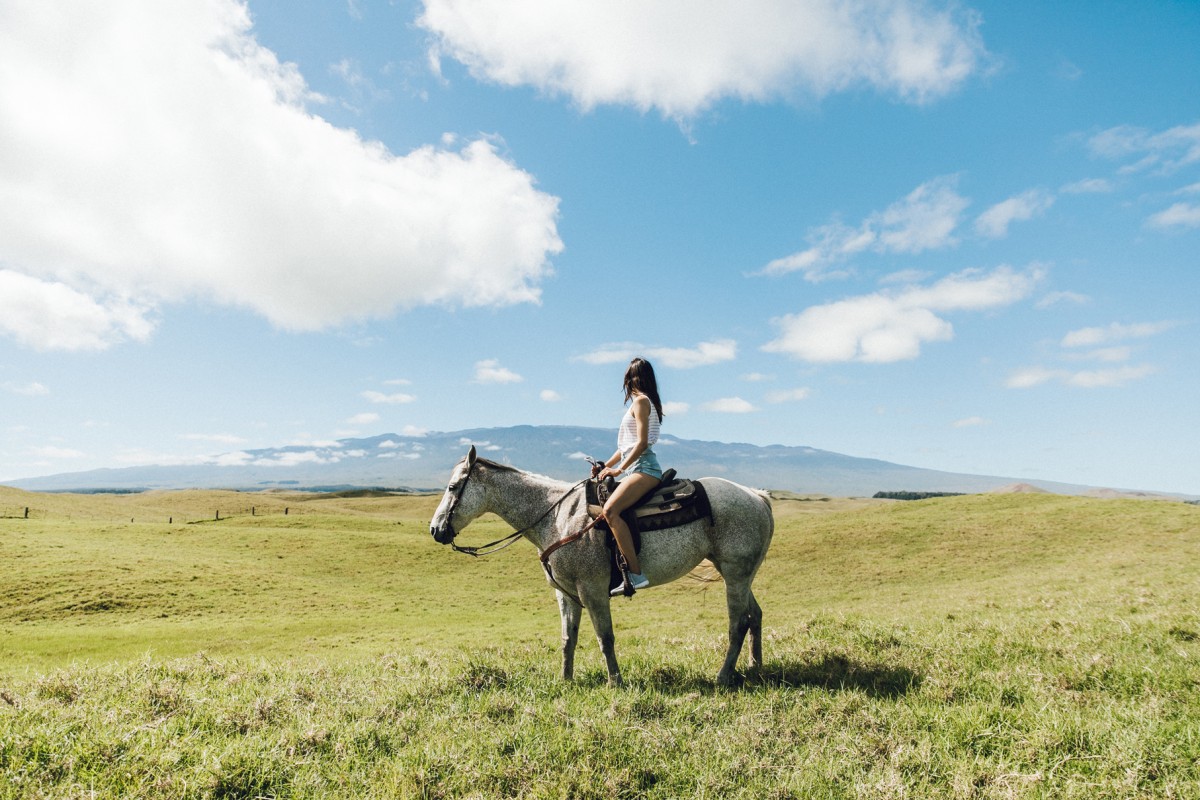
{"points": [[1006, 646]]}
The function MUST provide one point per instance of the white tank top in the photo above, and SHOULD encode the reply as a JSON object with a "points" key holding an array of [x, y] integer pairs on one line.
{"points": [[627, 433]]}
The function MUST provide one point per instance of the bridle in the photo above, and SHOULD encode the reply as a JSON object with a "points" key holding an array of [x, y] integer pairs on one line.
{"points": [[509, 540]]}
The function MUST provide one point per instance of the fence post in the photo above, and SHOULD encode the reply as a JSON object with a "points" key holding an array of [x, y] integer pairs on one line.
{"points": [[26, 512], [218, 516]]}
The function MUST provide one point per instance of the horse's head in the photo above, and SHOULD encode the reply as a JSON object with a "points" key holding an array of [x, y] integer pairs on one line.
{"points": [[463, 500]]}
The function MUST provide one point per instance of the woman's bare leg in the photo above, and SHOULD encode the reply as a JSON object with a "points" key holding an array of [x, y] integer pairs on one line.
{"points": [[628, 492]]}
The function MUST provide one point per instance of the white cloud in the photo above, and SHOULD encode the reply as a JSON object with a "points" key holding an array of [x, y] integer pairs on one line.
{"points": [[1184, 215], [702, 355], [683, 58], [1090, 337], [33, 389], [305, 440], [1109, 378], [675, 407], [923, 220], [158, 153], [729, 405], [237, 459], [407, 456], [892, 326], [1167, 150], [969, 422], [550, 396], [1055, 298], [994, 222], [361, 91], [490, 371], [1109, 354], [1030, 377], [788, 395], [829, 244], [390, 399], [294, 458], [1088, 186], [50, 315], [1086, 379]]}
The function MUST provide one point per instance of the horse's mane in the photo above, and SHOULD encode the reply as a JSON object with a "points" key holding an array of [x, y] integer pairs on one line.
{"points": [[487, 462]]}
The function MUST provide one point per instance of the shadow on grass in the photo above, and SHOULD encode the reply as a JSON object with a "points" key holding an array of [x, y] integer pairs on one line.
{"points": [[835, 672], [832, 672]]}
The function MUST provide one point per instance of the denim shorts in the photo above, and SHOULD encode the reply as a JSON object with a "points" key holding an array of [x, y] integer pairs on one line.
{"points": [[647, 464]]}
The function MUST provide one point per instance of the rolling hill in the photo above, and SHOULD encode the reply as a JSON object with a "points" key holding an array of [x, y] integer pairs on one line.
{"points": [[423, 462]]}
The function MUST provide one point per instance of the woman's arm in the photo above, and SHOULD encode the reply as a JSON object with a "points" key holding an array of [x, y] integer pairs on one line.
{"points": [[608, 462], [641, 417]]}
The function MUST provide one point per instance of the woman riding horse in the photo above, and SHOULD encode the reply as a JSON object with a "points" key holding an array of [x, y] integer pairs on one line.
{"points": [[635, 460]]}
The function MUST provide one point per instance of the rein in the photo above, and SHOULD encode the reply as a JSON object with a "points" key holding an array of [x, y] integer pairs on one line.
{"points": [[507, 541], [567, 540]]}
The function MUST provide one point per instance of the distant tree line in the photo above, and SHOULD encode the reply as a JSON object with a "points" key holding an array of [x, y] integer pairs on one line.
{"points": [[913, 495]]}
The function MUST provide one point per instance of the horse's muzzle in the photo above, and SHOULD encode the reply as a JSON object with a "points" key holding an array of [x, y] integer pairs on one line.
{"points": [[442, 535]]}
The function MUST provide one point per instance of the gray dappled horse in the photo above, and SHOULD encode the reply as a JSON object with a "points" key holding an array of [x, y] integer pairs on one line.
{"points": [[546, 511]]}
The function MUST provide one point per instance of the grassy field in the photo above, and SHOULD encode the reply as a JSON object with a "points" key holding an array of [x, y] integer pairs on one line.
{"points": [[981, 646]]}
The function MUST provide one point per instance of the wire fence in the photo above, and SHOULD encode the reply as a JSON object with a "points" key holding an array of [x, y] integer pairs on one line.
{"points": [[147, 515]]}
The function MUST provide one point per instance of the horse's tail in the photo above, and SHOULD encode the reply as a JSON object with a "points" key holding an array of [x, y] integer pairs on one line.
{"points": [[705, 572]]}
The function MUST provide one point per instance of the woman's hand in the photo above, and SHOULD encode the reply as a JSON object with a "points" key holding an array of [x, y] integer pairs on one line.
{"points": [[609, 472]]}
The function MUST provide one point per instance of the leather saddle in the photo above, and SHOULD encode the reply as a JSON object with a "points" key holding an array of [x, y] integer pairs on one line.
{"points": [[674, 501]]}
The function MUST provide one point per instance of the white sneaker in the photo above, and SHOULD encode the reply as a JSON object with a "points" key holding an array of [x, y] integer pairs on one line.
{"points": [[636, 580]]}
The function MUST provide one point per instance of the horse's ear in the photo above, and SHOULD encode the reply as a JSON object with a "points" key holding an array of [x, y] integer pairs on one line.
{"points": [[471, 457]]}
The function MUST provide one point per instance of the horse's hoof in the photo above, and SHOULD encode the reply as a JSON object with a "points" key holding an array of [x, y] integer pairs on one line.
{"points": [[730, 681]]}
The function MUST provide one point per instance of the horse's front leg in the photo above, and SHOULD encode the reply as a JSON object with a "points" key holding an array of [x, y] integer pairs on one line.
{"points": [[570, 612], [601, 615]]}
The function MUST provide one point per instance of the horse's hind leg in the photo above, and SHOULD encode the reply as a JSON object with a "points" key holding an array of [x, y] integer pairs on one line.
{"points": [[570, 612], [742, 619], [755, 632]]}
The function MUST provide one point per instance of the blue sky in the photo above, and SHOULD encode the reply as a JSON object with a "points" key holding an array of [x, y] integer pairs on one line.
{"points": [[957, 236]]}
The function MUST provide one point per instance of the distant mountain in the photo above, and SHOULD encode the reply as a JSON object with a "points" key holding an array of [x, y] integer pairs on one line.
{"points": [[423, 462]]}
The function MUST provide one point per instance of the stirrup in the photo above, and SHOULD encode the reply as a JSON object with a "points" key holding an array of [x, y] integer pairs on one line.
{"points": [[624, 590], [630, 585]]}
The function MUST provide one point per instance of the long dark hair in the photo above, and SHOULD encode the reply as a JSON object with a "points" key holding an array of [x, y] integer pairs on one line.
{"points": [[640, 377]]}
